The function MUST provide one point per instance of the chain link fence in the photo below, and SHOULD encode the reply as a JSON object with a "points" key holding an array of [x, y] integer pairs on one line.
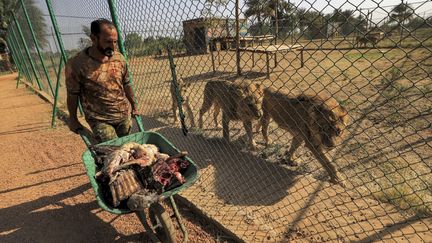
{"points": [[374, 59]]}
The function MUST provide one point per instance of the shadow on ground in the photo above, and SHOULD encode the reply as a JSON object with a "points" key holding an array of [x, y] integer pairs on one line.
{"points": [[241, 178], [48, 219]]}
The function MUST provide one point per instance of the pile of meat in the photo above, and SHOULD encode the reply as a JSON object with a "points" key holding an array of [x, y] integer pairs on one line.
{"points": [[134, 175]]}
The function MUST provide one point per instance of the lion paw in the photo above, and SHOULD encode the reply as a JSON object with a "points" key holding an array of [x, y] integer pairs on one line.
{"points": [[337, 179], [290, 161], [253, 146]]}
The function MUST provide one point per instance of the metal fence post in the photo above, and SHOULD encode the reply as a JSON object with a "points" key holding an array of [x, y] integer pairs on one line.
{"points": [[37, 46], [113, 11], [27, 51], [62, 49], [15, 58], [237, 37], [54, 113], [25, 67], [56, 30]]}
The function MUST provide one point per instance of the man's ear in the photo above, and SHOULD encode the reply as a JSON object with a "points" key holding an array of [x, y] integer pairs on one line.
{"points": [[93, 38]]}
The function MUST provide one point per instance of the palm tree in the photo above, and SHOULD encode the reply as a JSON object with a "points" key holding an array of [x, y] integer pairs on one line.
{"points": [[261, 10], [287, 15], [401, 14], [254, 9]]}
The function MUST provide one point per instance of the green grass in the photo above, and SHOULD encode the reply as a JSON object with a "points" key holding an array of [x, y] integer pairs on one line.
{"points": [[405, 198], [368, 55]]}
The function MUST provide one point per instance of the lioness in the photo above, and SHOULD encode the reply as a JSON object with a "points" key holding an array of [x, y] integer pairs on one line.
{"points": [[318, 120], [238, 100], [184, 91], [373, 38]]}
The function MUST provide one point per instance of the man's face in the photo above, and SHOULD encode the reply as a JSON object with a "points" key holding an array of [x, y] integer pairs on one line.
{"points": [[106, 40]]}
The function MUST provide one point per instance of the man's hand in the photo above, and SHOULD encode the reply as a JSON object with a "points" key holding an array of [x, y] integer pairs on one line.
{"points": [[74, 125], [134, 111]]}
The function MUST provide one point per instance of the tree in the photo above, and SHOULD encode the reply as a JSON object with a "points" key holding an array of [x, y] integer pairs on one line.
{"points": [[37, 21], [312, 24], [5, 7], [401, 14], [287, 17], [258, 9], [348, 22], [208, 4], [268, 11], [302, 21], [419, 22], [86, 30], [85, 42], [133, 41]]}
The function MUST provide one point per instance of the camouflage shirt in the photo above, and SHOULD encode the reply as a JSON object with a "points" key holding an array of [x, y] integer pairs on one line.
{"points": [[100, 86]]}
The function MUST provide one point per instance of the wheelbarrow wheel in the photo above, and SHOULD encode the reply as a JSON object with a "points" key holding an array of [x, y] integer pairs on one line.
{"points": [[162, 223]]}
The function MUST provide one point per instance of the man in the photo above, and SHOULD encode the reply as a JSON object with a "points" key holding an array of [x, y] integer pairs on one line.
{"points": [[98, 77]]}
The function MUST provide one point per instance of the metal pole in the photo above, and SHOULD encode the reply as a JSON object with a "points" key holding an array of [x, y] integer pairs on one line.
{"points": [[177, 91], [276, 21], [27, 51], [56, 30], [37, 46], [51, 58], [113, 11], [16, 55], [237, 37], [54, 113], [59, 40], [25, 66], [54, 38], [15, 58]]}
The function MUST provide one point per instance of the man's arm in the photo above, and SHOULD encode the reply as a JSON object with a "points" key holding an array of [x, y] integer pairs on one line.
{"points": [[72, 105], [129, 91], [131, 97], [73, 90]]}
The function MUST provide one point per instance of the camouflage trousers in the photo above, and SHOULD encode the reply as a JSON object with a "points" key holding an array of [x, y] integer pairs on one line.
{"points": [[104, 131]]}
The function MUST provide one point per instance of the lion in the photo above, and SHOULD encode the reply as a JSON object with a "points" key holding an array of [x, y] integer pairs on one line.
{"points": [[316, 119], [238, 100], [373, 38], [184, 92]]}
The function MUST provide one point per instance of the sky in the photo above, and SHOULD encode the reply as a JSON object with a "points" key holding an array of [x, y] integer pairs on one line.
{"points": [[164, 18]]}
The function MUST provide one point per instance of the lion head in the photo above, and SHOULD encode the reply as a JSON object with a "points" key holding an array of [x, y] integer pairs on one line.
{"points": [[328, 121], [251, 98]]}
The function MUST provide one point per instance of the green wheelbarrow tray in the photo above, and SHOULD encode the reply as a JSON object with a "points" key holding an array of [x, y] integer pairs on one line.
{"points": [[191, 173]]}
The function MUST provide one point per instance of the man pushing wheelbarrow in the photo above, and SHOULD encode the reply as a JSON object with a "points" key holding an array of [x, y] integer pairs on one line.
{"points": [[128, 172]]}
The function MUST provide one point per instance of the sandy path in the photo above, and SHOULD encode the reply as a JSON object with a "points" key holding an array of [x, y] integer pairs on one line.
{"points": [[44, 192]]}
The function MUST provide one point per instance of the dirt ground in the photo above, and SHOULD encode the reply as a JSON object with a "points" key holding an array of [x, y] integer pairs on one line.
{"points": [[45, 195]]}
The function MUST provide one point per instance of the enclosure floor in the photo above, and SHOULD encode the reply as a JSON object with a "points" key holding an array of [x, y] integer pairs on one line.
{"points": [[45, 195], [261, 203]]}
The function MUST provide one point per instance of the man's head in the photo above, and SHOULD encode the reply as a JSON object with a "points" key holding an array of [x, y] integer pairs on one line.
{"points": [[104, 36]]}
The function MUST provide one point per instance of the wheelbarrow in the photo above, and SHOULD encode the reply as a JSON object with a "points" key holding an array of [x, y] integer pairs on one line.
{"points": [[161, 227]]}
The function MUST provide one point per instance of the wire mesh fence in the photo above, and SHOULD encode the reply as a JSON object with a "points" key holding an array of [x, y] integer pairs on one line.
{"points": [[350, 80]]}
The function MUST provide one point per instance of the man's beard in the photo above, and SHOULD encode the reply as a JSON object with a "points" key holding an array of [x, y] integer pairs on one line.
{"points": [[109, 52]]}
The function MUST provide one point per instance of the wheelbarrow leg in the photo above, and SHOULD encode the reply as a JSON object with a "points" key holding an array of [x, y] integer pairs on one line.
{"points": [[142, 217], [178, 217], [161, 223]]}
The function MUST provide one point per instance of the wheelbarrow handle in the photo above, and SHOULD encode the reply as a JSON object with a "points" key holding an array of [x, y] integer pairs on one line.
{"points": [[138, 120], [84, 137]]}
